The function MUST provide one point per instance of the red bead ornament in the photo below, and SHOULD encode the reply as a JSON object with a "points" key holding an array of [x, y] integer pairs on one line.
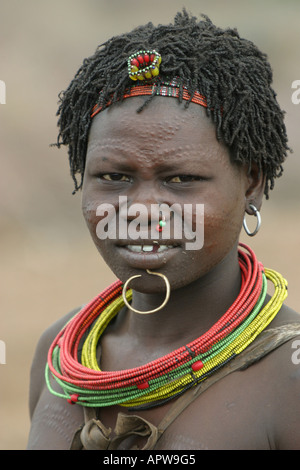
{"points": [[197, 366], [144, 65], [73, 399], [143, 386], [135, 62]]}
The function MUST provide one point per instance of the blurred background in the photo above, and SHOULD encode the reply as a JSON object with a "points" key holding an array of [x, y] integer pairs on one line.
{"points": [[48, 263]]}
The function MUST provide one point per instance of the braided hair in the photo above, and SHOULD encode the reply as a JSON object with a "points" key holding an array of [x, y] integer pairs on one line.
{"points": [[232, 73]]}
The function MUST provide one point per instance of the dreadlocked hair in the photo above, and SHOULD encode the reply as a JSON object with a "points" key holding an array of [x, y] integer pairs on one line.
{"points": [[231, 72]]}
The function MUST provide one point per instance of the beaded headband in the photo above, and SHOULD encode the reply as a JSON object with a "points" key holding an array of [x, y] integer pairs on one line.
{"points": [[143, 66]]}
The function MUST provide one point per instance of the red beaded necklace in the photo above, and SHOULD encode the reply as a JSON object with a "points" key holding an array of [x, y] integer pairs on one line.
{"points": [[68, 340]]}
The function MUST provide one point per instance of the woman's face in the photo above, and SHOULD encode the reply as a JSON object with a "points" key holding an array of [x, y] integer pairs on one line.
{"points": [[164, 155]]}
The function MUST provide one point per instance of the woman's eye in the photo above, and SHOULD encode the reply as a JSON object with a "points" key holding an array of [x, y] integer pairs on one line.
{"points": [[114, 177], [183, 179]]}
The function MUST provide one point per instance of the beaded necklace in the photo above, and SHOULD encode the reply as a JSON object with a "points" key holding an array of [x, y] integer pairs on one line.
{"points": [[83, 382]]}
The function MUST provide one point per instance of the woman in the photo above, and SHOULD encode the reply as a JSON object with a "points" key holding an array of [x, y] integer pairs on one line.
{"points": [[161, 360]]}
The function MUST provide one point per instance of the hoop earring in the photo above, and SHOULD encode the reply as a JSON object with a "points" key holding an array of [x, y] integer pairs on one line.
{"points": [[168, 289], [258, 224]]}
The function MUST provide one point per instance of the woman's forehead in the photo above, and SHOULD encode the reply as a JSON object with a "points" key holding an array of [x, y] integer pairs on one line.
{"points": [[163, 119], [165, 131]]}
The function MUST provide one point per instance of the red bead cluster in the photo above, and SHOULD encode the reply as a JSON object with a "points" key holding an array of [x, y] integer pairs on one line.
{"points": [[144, 65], [73, 399]]}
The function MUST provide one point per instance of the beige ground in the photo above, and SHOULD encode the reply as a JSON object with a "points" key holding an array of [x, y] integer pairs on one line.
{"points": [[48, 264]]}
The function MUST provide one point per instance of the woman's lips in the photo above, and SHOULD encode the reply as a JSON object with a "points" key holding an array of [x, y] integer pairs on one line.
{"points": [[145, 256]]}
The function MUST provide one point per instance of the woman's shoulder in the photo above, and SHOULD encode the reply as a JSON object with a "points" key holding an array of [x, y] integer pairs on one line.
{"points": [[286, 315], [287, 325], [283, 376]]}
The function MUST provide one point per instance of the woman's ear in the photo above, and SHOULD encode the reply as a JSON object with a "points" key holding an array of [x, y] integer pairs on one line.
{"points": [[256, 182]]}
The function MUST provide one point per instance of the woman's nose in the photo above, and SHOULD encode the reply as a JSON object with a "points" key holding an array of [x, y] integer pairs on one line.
{"points": [[147, 211], [146, 203]]}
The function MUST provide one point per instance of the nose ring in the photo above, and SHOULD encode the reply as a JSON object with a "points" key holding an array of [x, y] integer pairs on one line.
{"points": [[168, 290], [161, 224]]}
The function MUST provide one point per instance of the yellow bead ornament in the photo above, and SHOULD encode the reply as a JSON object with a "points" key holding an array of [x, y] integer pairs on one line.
{"points": [[144, 65]]}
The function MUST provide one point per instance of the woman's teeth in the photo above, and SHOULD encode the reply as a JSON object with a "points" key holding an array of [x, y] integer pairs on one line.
{"points": [[148, 248]]}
